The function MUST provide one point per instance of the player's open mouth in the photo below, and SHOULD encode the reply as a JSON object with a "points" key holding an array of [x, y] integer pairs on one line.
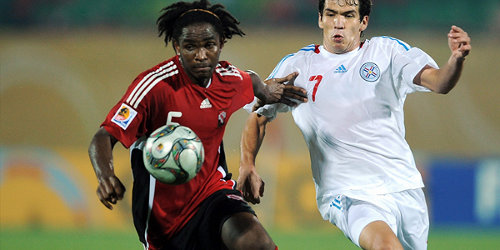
{"points": [[338, 38]]}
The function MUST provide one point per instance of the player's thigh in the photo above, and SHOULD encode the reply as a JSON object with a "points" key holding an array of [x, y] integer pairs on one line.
{"points": [[244, 231], [414, 231], [378, 235], [362, 216]]}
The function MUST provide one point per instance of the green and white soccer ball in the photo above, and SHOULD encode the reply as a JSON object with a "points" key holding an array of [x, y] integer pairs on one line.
{"points": [[173, 154]]}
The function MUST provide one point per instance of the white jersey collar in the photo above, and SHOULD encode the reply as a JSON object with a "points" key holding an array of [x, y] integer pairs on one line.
{"points": [[327, 53]]}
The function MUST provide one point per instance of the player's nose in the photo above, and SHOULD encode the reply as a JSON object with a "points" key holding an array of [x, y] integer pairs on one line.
{"points": [[201, 54], [339, 22]]}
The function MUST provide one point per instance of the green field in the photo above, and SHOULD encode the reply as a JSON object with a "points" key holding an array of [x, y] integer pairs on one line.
{"points": [[440, 239]]}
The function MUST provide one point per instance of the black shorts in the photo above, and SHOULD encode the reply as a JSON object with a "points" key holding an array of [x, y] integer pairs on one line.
{"points": [[203, 231]]}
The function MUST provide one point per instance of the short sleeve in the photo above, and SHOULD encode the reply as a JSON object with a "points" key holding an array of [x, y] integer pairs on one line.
{"points": [[239, 80], [247, 94], [125, 121], [284, 67], [406, 64]]}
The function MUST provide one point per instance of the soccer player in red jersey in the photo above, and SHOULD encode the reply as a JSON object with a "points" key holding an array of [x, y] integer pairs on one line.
{"points": [[196, 90]]}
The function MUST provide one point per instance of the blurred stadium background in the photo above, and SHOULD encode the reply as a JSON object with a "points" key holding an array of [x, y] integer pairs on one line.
{"points": [[65, 63]]}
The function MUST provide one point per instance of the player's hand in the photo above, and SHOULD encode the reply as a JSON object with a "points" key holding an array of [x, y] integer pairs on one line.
{"points": [[110, 190], [459, 42], [282, 90], [250, 184]]}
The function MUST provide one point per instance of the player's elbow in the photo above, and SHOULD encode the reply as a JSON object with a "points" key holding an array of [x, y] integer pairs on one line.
{"points": [[100, 139], [444, 86], [444, 89]]}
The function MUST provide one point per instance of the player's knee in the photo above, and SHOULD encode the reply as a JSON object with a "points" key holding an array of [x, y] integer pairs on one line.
{"points": [[255, 239], [386, 243], [385, 247], [244, 231]]}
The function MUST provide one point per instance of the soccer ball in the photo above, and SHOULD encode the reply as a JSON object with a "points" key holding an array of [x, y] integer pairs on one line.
{"points": [[173, 154]]}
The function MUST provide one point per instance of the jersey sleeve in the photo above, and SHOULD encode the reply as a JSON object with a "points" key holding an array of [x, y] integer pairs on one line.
{"points": [[242, 83], [271, 110], [246, 90], [407, 62], [125, 121]]}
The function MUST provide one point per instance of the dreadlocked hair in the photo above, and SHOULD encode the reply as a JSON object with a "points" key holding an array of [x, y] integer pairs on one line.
{"points": [[178, 15]]}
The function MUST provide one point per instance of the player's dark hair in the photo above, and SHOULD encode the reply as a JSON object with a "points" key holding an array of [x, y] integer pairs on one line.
{"points": [[365, 7], [178, 15]]}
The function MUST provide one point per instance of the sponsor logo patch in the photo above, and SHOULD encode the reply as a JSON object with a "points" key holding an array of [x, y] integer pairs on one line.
{"points": [[370, 72], [124, 116]]}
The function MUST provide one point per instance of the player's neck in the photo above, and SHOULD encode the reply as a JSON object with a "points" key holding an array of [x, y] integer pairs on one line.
{"points": [[202, 83]]}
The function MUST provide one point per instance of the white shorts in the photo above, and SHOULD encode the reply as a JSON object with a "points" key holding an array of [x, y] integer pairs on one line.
{"points": [[405, 212]]}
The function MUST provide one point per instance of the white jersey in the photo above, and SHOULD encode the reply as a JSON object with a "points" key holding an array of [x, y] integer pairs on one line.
{"points": [[353, 123]]}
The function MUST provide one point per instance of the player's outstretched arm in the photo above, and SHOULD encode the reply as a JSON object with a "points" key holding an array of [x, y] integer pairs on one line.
{"points": [[277, 90], [110, 189], [249, 182], [444, 79]]}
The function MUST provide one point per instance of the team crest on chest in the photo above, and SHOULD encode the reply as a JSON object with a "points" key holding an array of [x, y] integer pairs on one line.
{"points": [[370, 72]]}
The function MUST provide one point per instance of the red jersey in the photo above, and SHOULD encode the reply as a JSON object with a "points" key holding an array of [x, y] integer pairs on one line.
{"points": [[165, 94]]}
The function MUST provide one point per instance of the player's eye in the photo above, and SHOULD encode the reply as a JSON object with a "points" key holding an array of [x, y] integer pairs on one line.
{"points": [[210, 45], [189, 47], [329, 14]]}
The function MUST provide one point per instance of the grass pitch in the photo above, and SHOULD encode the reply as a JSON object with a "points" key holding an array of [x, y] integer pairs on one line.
{"points": [[440, 239]]}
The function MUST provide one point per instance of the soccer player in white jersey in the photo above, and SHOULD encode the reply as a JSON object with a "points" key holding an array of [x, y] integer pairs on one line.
{"points": [[365, 176]]}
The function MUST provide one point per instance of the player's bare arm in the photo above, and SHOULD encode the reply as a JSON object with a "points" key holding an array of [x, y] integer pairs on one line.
{"points": [[444, 79], [249, 182], [110, 189], [278, 90]]}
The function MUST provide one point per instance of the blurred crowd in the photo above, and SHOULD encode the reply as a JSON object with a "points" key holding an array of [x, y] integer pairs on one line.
{"points": [[424, 14]]}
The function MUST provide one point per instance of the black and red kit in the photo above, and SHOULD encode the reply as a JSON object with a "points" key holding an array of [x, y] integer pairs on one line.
{"points": [[163, 95]]}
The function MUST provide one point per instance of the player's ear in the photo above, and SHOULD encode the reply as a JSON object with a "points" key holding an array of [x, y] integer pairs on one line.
{"points": [[222, 42], [320, 20], [364, 23], [177, 47]]}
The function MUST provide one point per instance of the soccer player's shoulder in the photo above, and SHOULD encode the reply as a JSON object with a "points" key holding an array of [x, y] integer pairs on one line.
{"points": [[301, 55], [162, 70], [228, 73], [388, 41], [309, 50]]}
